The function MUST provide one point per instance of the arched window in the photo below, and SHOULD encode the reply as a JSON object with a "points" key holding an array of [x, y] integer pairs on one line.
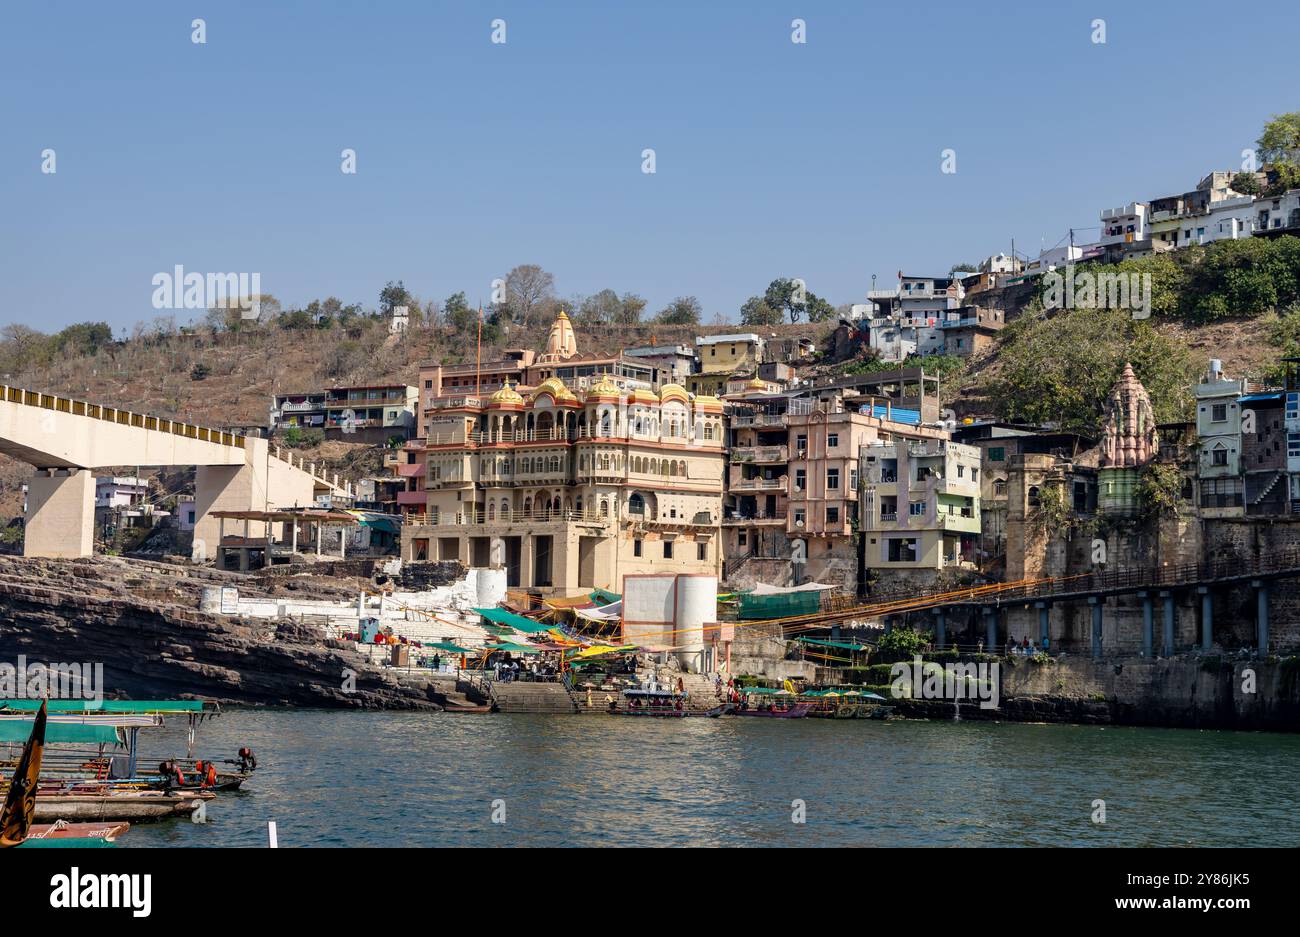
{"points": [[708, 430], [1033, 496], [604, 508], [492, 510], [636, 504]]}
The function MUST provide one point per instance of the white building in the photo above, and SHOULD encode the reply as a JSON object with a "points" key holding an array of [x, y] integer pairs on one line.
{"points": [[121, 491], [909, 318], [1124, 225], [1275, 214]]}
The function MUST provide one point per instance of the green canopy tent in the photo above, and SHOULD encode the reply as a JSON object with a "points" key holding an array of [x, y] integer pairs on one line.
{"points": [[500, 617], [448, 646], [512, 648], [846, 645]]}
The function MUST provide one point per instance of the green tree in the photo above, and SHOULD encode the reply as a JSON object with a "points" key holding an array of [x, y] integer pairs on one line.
{"points": [[608, 308], [791, 298], [1060, 368], [1246, 183], [394, 295], [1280, 141], [756, 312], [459, 315], [684, 310], [84, 338]]}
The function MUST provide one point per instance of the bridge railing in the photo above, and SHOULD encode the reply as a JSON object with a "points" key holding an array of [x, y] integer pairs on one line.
{"points": [[96, 411], [1127, 579]]}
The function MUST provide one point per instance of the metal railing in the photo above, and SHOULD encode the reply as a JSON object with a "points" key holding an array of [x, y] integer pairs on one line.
{"points": [[115, 415]]}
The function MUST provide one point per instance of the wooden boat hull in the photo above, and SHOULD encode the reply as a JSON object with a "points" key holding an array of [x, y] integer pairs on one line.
{"points": [[62, 830], [109, 807], [798, 711], [713, 713]]}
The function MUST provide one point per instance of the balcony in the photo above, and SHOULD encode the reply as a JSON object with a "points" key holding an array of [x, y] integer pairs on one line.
{"points": [[735, 519], [308, 407], [506, 518], [760, 454], [760, 484], [758, 419]]}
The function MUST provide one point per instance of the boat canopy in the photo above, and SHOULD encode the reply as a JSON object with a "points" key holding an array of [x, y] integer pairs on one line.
{"points": [[104, 706], [500, 616], [20, 730]]}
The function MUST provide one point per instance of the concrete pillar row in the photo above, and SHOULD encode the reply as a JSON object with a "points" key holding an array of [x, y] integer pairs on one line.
{"points": [[1167, 645], [1097, 603], [1207, 618], [1148, 624], [1261, 613]]}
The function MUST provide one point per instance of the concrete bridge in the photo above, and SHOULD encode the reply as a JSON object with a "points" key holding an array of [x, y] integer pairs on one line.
{"points": [[66, 439]]}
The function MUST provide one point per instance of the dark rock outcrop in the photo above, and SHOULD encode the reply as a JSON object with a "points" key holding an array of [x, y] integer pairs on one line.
{"points": [[141, 622]]}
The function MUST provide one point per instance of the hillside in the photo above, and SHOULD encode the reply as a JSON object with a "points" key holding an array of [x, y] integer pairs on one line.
{"points": [[221, 377]]}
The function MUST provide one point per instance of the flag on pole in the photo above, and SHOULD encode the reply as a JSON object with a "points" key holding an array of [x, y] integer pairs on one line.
{"points": [[20, 805]]}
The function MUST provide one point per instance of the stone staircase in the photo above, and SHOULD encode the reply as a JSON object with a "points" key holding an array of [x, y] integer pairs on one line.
{"points": [[526, 697]]}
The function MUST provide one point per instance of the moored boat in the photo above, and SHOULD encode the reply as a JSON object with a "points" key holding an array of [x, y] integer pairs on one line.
{"points": [[62, 829], [768, 703], [110, 807], [652, 701]]}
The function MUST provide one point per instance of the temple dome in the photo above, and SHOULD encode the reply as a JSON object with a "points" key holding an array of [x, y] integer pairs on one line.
{"points": [[674, 392], [556, 388], [506, 396], [605, 387]]}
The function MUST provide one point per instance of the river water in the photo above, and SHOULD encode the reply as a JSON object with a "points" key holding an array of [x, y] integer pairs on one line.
{"points": [[431, 779]]}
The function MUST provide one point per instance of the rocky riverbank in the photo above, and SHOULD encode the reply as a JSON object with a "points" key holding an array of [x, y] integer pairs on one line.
{"points": [[141, 621]]}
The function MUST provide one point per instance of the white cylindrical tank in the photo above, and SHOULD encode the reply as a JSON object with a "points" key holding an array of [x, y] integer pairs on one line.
{"points": [[697, 607], [490, 586]]}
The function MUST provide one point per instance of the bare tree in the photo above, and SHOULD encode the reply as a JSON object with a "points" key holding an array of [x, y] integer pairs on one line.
{"points": [[530, 294]]}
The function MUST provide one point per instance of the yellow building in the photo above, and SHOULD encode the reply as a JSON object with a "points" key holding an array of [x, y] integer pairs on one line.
{"points": [[728, 354], [571, 492]]}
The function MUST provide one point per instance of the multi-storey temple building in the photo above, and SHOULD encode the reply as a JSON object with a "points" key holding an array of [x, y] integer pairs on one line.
{"points": [[571, 489]]}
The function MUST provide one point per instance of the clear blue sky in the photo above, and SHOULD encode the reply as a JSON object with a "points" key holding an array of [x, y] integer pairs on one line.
{"points": [[819, 161]]}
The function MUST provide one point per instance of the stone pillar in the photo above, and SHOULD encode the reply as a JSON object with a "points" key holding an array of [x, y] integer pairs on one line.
{"points": [[991, 630], [1097, 603], [1167, 645], [1207, 618], [1148, 624], [1261, 613], [60, 520], [940, 630]]}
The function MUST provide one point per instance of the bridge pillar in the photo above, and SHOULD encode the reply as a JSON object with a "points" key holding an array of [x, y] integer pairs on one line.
{"points": [[1044, 624], [1261, 620], [1097, 603], [1167, 645], [940, 630], [60, 520], [1148, 624], [1207, 617], [991, 630]]}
